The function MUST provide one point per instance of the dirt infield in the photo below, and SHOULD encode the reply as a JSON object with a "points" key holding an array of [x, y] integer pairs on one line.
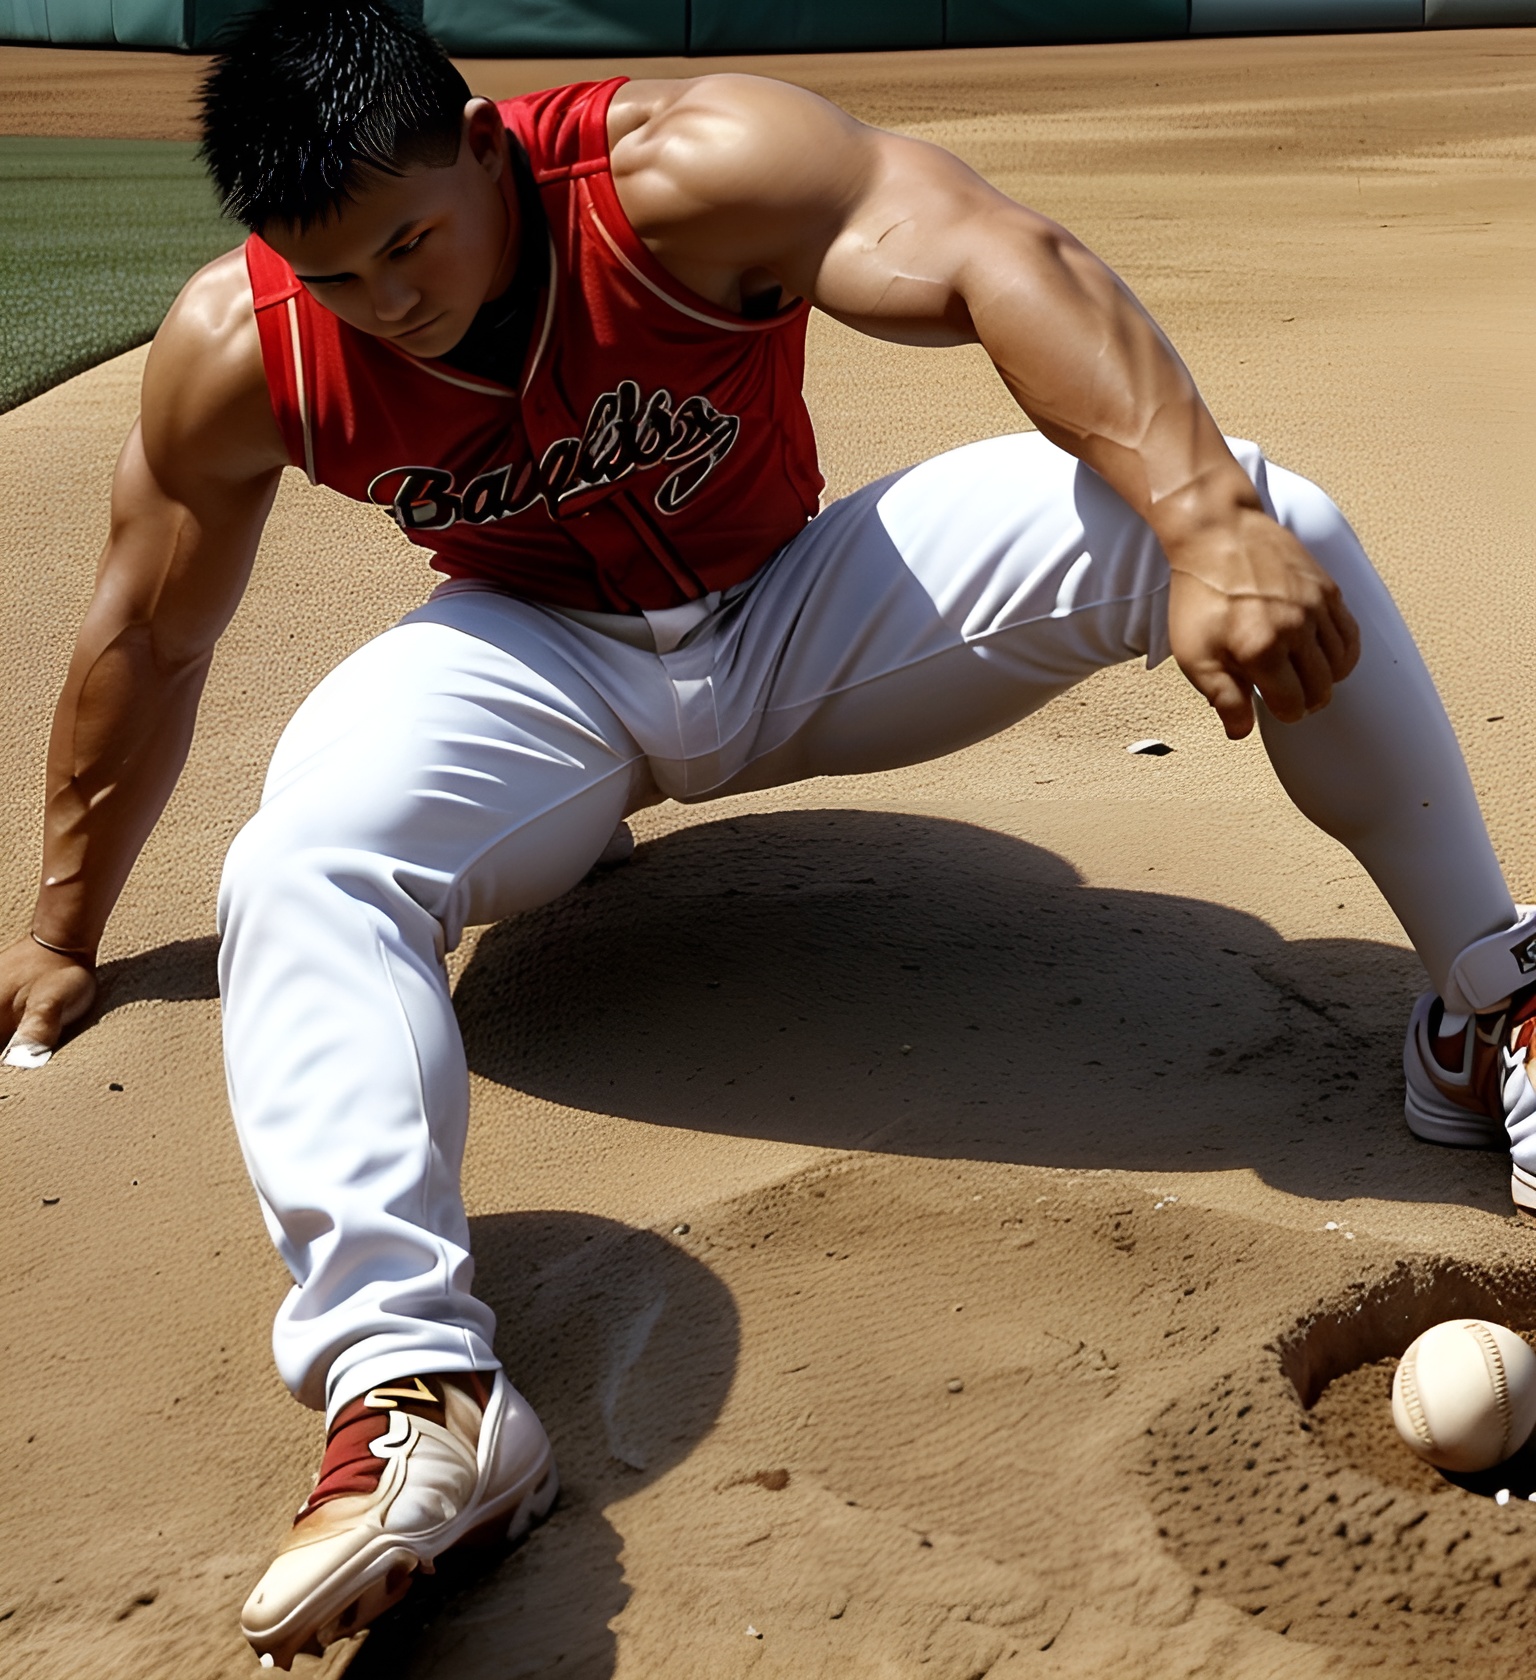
{"points": [[993, 1278]]}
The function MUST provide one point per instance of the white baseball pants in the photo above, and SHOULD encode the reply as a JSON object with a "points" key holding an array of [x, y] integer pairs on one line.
{"points": [[473, 762]]}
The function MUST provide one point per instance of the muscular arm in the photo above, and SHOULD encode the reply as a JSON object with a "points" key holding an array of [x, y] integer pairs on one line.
{"points": [[191, 492], [738, 184]]}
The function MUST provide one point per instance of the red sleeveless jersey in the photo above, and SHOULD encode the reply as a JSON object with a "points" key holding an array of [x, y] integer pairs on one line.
{"points": [[659, 447]]}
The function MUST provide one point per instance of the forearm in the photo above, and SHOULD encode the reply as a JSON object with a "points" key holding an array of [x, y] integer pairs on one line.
{"points": [[120, 738], [193, 485], [1095, 373]]}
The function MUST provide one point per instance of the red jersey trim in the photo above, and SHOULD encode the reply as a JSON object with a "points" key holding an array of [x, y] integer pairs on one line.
{"points": [[464, 381], [595, 175], [726, 321], [550, 298], [301, 387], [635, 255], [274, 299], [655, 448]]}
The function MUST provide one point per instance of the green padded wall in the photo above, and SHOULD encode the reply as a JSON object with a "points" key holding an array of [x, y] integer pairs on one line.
{"points": [[208, 17], [150, 23], [733, 26], [23, 20], [1475, 14], [559, 27], [572, 28], [1268, 17], [80, 20], [987, 23], [176, 24]]}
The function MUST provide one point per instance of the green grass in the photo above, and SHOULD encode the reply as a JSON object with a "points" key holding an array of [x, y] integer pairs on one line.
{"points": [[96, 239]]}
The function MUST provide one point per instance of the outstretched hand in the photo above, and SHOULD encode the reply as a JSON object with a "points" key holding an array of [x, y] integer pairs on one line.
{"points": [[41, 993], [1249, 609]]}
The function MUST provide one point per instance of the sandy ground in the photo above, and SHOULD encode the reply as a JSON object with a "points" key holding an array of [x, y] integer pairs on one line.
{"points": [[905, 1198]]}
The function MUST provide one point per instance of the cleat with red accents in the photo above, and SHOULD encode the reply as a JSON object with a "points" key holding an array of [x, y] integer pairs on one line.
{"points": [[1469, 1082], [411, 1469]]}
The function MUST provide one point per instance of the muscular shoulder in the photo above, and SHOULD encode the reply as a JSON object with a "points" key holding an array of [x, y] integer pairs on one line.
{"points": [[703, 149], [205, 383]]}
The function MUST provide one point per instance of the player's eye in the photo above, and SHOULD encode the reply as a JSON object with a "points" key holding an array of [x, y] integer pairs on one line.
{"points": [[409, 246]]}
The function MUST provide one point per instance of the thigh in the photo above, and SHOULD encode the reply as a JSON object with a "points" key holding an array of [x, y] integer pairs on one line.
{"points": [[468, 747], [941, 605]]}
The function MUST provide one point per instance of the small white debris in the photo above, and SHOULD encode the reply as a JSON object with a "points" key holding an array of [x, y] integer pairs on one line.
{"points": [[1332, 1225], [752, 1632], [1157, 1205], [1170, 1198], [1349, 1236], [1501, 1497], [955, 1386], [267, 1660], [1531, 1497], [906, 1049], [681, 1230], [1150, 748]]}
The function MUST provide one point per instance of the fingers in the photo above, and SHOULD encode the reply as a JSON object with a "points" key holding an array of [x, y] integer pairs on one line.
{"points": [[1301, 679], [1292, 681], [23, 1053], [37, 1033], [1291, 647], [50, 1004], [1230, 698], [1332, 646], [1282, 688], [1342, 621], [1310, 680]]}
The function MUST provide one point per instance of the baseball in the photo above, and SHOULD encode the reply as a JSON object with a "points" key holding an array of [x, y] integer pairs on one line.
{"points": [[1464, 1396]]}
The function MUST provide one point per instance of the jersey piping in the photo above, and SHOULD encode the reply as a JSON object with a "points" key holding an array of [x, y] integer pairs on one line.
{"points": [[656, 449]]}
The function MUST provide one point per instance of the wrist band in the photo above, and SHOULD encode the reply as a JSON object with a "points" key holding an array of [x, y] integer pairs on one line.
{"points": [[63, 950]]}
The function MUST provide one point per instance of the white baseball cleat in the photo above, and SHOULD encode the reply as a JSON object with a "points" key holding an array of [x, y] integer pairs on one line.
{"points": [[410, 1469], [1472, 1085]]}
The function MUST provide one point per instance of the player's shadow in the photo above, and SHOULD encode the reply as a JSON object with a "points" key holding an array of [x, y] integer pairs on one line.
{"points": [[863, 980], [626, 1347], [180, 972]]}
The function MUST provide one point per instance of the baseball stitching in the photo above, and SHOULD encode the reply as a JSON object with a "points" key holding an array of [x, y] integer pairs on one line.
{"points": [[1494, 1360], [1408, 1385]]}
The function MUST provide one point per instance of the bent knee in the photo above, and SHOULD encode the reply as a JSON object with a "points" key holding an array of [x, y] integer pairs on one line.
{"points": [[253, 864], [289, 858]]}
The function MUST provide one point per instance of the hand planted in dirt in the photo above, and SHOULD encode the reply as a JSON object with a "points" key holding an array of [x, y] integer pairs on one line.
{"points": [[41, 993]]}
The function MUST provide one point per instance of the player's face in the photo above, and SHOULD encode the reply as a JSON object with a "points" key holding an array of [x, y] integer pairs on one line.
{"points": [[412, 257]]}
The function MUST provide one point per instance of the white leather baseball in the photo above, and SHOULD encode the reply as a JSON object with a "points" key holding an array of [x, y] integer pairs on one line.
{"points": [[1464, 1396]]}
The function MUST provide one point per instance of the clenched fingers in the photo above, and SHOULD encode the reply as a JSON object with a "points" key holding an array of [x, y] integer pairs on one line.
{"points": [[1228, 695], [1281, 687], [1340, 623]]}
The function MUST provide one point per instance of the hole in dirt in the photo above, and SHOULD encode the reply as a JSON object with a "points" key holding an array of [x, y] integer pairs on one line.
{"points": [[1284, 1490], [1352, 1421], [1381, 1317], [1341, 1363]]}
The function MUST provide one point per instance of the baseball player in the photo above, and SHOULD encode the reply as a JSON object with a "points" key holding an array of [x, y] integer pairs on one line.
{"points": [[560, 340]]}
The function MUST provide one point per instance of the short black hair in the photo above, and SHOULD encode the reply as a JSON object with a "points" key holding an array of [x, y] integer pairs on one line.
{"points": [[306, 96]]}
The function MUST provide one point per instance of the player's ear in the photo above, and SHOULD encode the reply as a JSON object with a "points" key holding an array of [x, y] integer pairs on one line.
{"points": [[483, 136]]}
